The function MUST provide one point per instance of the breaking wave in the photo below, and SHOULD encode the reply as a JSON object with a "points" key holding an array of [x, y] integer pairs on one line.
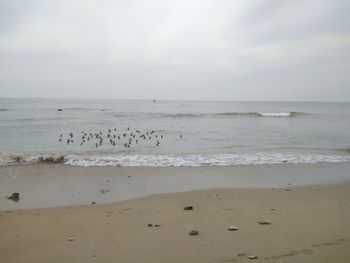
{"points": [[220, 114], [150, 160], [263, 114]]}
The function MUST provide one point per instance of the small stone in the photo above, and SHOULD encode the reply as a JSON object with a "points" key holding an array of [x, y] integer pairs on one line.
{"points": [[190, 207], [233, 228], [252, 257], [194, 232], [14, 197], [149, 225], [71, 239], [264, 222], [157, 225]]}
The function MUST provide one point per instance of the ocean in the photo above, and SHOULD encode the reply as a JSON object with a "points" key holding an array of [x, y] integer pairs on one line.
{"points": [[91, 132]]}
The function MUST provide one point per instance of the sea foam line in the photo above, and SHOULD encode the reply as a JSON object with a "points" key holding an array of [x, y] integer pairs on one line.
{"points": [[152, 160], [201, 160]]}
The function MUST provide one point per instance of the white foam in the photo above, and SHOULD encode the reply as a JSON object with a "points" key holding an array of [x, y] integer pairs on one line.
{"points": [[201, 160], [275, 114], [153, 160]]}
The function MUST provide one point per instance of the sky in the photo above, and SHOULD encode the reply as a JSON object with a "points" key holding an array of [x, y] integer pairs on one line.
{"points": [[295, 50]]}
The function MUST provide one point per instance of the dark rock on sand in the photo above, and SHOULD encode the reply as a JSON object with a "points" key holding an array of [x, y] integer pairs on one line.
{"points": [[14, 197], [190, 207]]}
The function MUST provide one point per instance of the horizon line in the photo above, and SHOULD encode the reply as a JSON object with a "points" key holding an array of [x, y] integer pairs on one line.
{"points": [[155, 99]]}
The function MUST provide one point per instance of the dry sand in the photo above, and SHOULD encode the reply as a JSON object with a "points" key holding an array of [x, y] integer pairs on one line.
{"points": [[308, 224]]}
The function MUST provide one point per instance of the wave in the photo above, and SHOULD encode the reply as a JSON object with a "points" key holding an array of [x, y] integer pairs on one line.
{"points": [[36, 158], [347, 150], [157, 115], [263, 114], [151, 160], [83, 109], [197, 115]]}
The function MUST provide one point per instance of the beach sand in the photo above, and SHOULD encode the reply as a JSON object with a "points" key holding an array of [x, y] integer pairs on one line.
{"points": [[308, 224]]}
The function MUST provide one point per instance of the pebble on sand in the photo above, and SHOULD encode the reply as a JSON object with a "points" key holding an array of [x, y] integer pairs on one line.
{"points": [[233, 228], [264, 222], [71, 239], [193, 232], [252, 257], [157, 225]]}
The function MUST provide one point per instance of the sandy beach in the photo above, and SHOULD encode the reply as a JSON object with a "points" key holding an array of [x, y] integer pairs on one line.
{"points": [[307, 224]]}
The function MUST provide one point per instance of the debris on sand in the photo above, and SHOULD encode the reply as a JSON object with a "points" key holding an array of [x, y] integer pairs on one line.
{"points": [[103, 191], [233, 228], [190, 207]]}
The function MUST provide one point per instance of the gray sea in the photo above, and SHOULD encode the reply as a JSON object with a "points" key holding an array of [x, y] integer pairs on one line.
{"points": [[88, 132]]}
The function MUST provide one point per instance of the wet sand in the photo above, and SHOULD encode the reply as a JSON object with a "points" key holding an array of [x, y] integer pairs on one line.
{"points": [[52, 185], [308, 224]]}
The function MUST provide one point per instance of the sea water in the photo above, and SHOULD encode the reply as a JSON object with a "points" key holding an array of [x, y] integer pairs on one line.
{"points": [[172, 133]]}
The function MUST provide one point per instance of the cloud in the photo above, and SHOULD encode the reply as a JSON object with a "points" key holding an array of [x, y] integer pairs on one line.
{"points": [[145, 49]]}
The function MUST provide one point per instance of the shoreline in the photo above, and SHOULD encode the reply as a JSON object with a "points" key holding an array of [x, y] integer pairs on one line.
{"points": [[307, 224], [54, 185]]}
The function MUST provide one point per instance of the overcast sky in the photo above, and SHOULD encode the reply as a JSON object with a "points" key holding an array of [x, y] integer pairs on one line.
{"points": [[183, 49]]}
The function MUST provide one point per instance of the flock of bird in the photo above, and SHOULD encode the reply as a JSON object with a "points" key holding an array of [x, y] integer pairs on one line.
{"points": [[125, 139]]}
